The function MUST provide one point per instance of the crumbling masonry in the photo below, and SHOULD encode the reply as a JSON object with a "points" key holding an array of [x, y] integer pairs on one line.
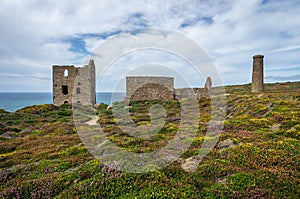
{"points": [[74, 84], [149, 88], [77, 85]]}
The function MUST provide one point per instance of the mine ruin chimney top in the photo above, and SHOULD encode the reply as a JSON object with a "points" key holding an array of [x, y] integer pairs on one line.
{"points": [[258, 56]]}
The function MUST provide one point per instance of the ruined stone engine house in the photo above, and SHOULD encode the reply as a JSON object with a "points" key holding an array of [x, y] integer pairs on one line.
{"points": [[74, 84], [149, 88], [77, 85]]}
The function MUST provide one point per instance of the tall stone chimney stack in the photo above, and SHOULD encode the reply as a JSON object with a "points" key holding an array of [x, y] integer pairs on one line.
{"points": [[258, 74]]}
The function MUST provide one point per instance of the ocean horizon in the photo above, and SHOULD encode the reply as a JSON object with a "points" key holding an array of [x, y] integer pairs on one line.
{"points": [[12, 101]]}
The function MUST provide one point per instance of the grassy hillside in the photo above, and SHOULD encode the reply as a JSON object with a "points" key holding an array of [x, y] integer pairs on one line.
{"points": [[257, 154]]}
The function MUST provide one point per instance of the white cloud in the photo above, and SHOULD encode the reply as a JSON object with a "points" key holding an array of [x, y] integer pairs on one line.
{"points": [[37, 34]]}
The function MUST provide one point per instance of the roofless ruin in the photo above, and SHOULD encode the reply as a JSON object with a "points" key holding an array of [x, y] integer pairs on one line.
{"points": [[77, 85]]}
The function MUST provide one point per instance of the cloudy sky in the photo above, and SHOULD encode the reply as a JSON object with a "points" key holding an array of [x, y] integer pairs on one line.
{"points": [[38, 34]]}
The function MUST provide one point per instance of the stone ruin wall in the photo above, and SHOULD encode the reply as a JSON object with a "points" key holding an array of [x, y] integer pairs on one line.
{"points": [[149, 88], [181, 93], [63, 85], [137, 87], [74, 84], [85, 81], [160, 88]]}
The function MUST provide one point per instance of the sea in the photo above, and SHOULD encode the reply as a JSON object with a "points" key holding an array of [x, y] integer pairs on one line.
{"points": [[14, 101]]}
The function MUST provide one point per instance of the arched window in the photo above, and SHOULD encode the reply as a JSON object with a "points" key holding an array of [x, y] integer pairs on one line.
{"points": [[66, 73], [77, 90]]}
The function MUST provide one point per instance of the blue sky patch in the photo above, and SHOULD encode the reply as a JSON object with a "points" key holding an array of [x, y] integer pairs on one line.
{"points": [[136, 19], [191, 22]]}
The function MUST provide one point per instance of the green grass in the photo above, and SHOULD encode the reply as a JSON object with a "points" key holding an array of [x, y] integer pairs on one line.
{"points": [[44, 156]]}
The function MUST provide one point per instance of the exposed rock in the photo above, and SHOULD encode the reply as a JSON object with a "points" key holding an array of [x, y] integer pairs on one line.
{"points": [[275, 127], [225, 144], [172, 119], [222, 181], [292, 129], [27, 130], [271, 105], [191, 164], [180, 160], [260, 96], [7, 135]]}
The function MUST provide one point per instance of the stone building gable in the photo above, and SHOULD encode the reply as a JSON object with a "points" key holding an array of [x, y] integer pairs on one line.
{"points": [[74, 84]]}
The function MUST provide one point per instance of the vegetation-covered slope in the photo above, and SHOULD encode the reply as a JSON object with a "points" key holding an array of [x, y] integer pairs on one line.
{"points": [[257, 155]]}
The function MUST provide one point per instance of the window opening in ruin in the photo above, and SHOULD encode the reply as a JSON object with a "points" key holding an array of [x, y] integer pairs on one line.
{"points": [[77, 90], [77, 72], [66, 73], [66, 102], [65, 89], [79, 83]]}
